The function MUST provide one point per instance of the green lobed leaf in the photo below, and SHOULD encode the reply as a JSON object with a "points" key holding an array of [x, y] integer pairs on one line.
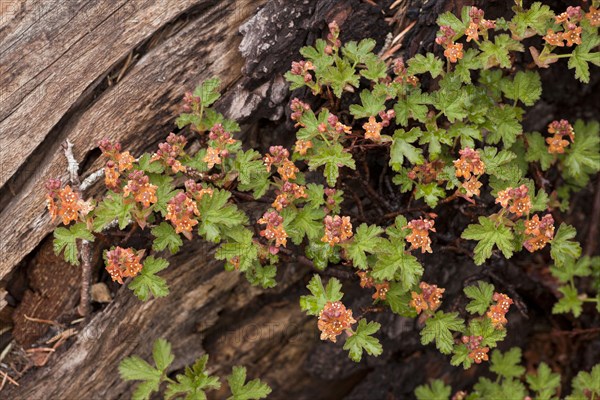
{"points": [[570, 302], [240, 244], [402, 148], [208, 91], [366, 240], [111, 208], [435, 390], [358, 52], [537, 150], [562, 248], [376, 69], [147, 282], [135, 368], [470, 61], [340, 75], [507, 364], [586, 385], [489, 235], [481, 297], [414, 106], [439, 328], [252, 172], [582, 56], [217, 216], [394, 263], [166, 237], [65, 240], [503, 124], [582, 158], [399, 299], [240, 390], [449, 19], [362, 340], [431, 193], [193, 383], [497, 53], [307, 222], [371, 105], [428, 63], [525, 87], [333, 157], [313, 304], [544, 383], [537, 18]]}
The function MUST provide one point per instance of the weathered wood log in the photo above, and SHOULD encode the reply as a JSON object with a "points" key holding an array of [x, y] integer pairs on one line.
{"points": [[76, 103], [83, 72]]}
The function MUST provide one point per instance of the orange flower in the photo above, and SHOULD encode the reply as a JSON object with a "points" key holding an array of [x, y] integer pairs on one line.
{"points": [[469, 163], [287, 170], [181, 211], [497, 312], [381, 290], [169, 151], [554, 39], [515, 200], [472, 187], [125, 160], [372, 129], [302, 146], [593, 16], [430, 298], [337, 229], [539, 232], [454, 52], [334, 319], [111, 176], [573, 36], [562, 128], [419, 236], [365, 280], [477, 353], [274, 230], [418, 302], [212, 157], [472, 32], [280, 202], [65, 203], [143, 191], [556, 144], [123, 263], [563, 17], [277, 155], [196, 191]]}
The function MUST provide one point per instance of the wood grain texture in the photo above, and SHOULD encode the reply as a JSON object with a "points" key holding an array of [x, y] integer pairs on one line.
{"points": [[47, 67], [203, 296], [139, 111]]}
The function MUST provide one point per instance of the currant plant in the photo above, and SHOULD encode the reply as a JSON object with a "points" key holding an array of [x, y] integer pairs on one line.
{"points": [[192, 384], [513, 383], [451, 129]]}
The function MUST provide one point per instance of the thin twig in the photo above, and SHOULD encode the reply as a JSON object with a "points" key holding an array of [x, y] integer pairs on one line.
{"points": [[7, 377], [90, 180], [84, 248], [86, 277], [72, 164], [42, 321]]}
